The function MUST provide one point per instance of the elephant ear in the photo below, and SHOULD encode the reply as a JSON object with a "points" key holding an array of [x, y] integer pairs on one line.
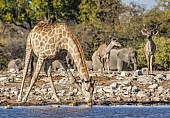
{"points": [[123, 56], [18, 61]]}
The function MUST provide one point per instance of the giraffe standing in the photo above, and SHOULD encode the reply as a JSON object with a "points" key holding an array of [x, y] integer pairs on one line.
{"points": [[103, 52], [46, 40], [150, 47]]}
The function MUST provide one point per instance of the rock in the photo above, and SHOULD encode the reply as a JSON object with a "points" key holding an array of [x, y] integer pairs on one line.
{"points": [[144, 70], [160, 89], [62, 93], [141, 94], [39, 98], [135, 89], [156, 99], [106, 103], [160, 77], [137, 73], [100, 91], [107, 89], [63, 81], [114, 85], [8, 107], [153, 86], [125, 74], [12, 70], [167, 76], [55, 106], [119, 98], [3, 78]]}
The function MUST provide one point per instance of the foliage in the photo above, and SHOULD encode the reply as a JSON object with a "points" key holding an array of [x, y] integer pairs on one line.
{"points": [[4, 56], [162, 54], [92, 21]]}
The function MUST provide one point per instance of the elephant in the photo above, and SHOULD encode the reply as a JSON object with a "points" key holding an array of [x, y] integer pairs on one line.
{"points": [[89, 65], [65, 61], [120, 58], [57, 65], [96, 62], [16, 64]]}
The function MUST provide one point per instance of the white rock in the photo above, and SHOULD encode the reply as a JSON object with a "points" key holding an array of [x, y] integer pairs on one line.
{"points": [[167, 76], [12, 70], [100, 91], [137, 73], [153, 86], [107, 89], [8, 107], [141, 94], [3, 78], [114, 85], [135, 89]]}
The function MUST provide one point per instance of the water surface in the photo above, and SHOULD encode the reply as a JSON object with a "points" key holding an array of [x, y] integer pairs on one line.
{"points": [[80, 112]]}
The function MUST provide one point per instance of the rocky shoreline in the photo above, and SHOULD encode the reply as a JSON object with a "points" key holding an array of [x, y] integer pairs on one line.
{"points": [[125, 88]]}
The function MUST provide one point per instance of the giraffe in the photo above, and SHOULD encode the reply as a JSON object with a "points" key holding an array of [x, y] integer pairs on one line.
{"points": [[150, 47], [103, 52], [45, 41]]}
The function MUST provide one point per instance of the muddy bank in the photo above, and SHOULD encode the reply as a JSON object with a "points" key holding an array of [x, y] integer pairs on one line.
{"points": [[129, 88]]}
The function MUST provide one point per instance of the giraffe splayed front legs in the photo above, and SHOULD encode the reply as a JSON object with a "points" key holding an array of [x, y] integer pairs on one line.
{"points": [[45, 40]]}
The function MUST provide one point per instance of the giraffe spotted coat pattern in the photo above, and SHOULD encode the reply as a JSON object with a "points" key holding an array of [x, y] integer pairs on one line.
{"points": [[45, 41]]}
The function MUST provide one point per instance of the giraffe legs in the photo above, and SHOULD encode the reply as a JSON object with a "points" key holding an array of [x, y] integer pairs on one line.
{"points": [[64, 64], [35, 76], [28, 56], [52, 84], [107, 63]]}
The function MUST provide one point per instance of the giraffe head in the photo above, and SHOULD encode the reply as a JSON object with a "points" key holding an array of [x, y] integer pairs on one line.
{"points": [[114, 41], [87, 89]]}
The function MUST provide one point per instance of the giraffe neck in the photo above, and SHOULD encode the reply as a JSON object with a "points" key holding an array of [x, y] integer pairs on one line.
{"points": [[77, 54], [108, 48]]}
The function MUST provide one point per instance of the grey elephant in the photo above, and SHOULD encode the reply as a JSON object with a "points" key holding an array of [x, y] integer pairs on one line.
{"points": [[57, 65], [89, 65], [96, 62], [120, 59], [16, 64], [64, 61]]}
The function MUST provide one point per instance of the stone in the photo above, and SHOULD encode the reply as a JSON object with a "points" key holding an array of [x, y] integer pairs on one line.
{"points": [[135, 89], [114, 85], [167, 76], [160, 77], [39, 98], [160, 89], [12, 70], [100, 91], [3, 78], [153, 86], [137, 73], [144, 70], [125, 74], [107, 89], [8, 107], [141, 94]]}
